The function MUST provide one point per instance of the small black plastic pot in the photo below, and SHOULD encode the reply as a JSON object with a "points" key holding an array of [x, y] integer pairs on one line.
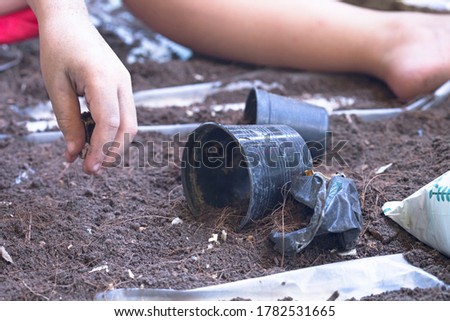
{"points": [[241, 165], [310, 121]]}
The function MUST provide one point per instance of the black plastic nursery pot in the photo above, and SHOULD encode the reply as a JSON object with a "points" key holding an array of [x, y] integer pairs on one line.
{"points": [[241, 165], [310, 121]]}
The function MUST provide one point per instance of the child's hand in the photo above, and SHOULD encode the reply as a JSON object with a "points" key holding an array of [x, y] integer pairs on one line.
{"points": [[76, 61]]}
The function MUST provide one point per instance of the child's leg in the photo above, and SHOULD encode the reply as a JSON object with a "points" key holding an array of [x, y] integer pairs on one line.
{"points": [[409, 51]]}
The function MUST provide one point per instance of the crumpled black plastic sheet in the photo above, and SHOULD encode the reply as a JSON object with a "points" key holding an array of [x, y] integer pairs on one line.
{"points": [[342, 212], [336, 208]]}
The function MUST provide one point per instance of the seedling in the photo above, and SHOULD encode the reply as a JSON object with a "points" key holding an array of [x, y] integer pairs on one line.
{"points": [[89, 125]]}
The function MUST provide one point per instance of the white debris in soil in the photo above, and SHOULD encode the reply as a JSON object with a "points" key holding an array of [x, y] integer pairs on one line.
{"points": [[199, 77], [5, 204], [223, 235], [5, 255], [383, 169], [351, 252], [100, 268], [23, 176], [177, 221], [214, 238]]}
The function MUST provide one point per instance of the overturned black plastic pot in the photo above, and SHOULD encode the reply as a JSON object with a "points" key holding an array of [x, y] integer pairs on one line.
{"points": [[310, 121], [241, 165]]}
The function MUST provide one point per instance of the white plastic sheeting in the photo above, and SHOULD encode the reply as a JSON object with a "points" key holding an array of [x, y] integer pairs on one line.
{"points": [[111, 16], [351, 279]]}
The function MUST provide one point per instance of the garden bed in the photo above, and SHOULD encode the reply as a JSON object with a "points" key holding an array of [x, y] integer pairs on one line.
{"points": [[71, 235]]}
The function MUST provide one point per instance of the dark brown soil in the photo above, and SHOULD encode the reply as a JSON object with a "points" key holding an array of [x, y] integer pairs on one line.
{"points": [[58, 223]]}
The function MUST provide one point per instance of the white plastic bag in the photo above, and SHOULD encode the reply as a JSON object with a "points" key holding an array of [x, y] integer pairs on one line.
{"points": [[426, 213]]}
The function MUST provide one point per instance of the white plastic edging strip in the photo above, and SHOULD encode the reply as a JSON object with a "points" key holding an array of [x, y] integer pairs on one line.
{"points": [[50, 136]]}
